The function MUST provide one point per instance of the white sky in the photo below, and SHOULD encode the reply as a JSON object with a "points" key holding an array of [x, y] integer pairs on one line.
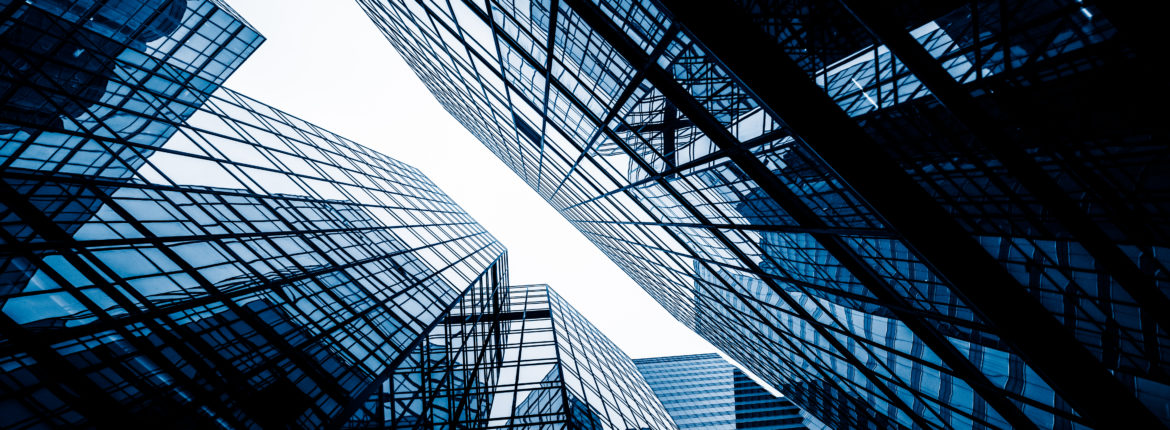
{"points": [[324, 61]]}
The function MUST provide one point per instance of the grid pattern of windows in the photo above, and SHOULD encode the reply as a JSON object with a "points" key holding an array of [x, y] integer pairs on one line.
{"points": [[78, 78], [920, 215], [705, 392], [173, 251], [451, 378], [515, 357], [256, 246], [697, 390], [603, 388], [756, 408]]}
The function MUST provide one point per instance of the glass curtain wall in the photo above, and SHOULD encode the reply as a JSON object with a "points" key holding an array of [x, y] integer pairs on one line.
{"points": [[704, 391], [174, 252]]}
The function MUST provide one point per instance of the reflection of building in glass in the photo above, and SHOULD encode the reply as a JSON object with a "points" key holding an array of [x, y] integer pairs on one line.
{"points": [[516, 357], [926, 215], [93, 88], [705, 392], [448, 376], [60, 56], [129, 69]]}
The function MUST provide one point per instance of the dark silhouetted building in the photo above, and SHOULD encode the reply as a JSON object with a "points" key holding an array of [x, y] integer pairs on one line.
{"points": [[901, 214]]}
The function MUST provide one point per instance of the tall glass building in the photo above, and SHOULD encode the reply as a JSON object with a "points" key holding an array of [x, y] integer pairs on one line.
{"points": [[177, 254], [917, 214], [252, 271], [705, 392], [516, 357]]}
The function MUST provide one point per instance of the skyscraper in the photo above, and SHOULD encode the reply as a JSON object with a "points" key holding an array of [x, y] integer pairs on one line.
{"points": [[518, 357], [705, 392], [177, 254], [253, 270], [912, 214]]}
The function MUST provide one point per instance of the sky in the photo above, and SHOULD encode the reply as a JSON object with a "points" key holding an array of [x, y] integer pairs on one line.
{"points": [[325, 62]]}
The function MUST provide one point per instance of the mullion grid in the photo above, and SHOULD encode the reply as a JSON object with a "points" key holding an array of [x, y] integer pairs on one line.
{"points": [[629, 403], [92, 274], [309, 241], [1058, 278], [134, 339], [458, 338], [543, 404], [136, 89]]}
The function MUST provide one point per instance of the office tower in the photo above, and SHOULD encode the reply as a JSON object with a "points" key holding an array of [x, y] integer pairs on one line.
{"points": [[703, 391], [906, 215], [255, 271], [517, 357], [176, 254]]}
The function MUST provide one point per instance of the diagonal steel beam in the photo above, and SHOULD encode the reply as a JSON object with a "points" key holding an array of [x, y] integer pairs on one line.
{"points": [[1008, 150]]}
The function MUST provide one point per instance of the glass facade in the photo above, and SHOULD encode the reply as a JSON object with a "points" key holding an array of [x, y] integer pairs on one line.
{"points": [[515, 357], [923, 215], [92, 88], [177, 254], [705, 392]]}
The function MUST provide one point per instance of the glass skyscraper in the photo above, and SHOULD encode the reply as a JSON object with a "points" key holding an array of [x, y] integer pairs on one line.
{"points": [[915, 215], [241, 269], [705, 392]]}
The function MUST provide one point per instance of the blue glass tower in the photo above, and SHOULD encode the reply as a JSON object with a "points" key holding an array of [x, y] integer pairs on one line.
{"points": [[705, 392], [252, 271], [92, 88], [901, 214]]}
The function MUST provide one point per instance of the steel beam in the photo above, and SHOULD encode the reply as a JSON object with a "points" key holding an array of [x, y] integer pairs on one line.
{"points": [[1009, 151]]}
